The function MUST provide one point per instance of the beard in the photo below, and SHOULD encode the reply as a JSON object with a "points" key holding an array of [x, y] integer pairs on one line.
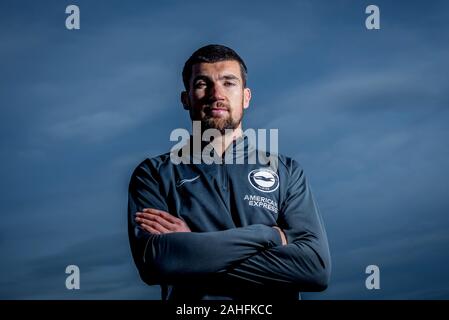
{"points": [[220, 123]]}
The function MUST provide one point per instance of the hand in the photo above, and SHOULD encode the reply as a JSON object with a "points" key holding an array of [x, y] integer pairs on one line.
{"points": [[283, 237], [160, 222]]}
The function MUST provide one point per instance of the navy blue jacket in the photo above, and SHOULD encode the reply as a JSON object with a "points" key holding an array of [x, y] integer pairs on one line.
{"points": [[233, 251]]}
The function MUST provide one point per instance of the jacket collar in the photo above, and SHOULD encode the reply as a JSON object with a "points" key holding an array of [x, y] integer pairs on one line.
{"points": [[239, 149]]}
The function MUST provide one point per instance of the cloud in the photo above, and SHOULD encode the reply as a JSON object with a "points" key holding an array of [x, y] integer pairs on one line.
{"points": [[96, 127], [106, 272], [364, 113]]}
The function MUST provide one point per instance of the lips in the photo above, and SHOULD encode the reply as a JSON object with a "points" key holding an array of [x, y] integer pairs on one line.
{"points": [[217, 112], [217, 109]]}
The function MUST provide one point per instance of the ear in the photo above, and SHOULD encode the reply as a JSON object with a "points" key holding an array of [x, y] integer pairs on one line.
{"points": [[246, 97], [185, 100]]}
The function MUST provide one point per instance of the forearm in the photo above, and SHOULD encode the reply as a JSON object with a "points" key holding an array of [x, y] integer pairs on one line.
{"points": [[187, 256], [301, 266]]}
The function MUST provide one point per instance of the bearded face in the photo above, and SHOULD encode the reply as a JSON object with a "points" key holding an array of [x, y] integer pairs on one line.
{"points": [[217, 96], [218, 115]]}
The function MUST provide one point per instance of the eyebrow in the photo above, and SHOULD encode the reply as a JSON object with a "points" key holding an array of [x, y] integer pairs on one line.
{"points": [[224, 77], [230, 77]]}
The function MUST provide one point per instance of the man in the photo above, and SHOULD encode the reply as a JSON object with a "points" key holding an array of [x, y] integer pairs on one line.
{"points": [[220, 230]]}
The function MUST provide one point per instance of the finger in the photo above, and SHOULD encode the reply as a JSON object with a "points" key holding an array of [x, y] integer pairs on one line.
{"points": [[149, 229], [167, 216], [176, 223], [156, 218], [147, 217], [147, 222], [156, 226]]}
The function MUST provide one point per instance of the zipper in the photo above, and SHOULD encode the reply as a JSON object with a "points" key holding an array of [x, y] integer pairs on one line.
{"points": [[224, 174]]}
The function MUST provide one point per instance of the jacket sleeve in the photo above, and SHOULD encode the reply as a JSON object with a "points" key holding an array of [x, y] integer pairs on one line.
{"points": [[185, 256], [304, 263]]}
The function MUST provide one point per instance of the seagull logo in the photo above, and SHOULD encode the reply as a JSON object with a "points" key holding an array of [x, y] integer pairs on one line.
{"points": [[264, 179]]}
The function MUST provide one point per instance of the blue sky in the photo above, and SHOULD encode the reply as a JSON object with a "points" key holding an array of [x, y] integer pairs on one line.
{"points": [[365, 112]]}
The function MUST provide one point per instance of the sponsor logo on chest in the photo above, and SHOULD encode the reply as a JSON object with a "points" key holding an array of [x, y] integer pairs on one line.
{"points": [[261, 202], [264, 179]]}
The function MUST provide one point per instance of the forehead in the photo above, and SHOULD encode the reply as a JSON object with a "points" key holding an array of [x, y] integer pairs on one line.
{"points": [[216, 69]]}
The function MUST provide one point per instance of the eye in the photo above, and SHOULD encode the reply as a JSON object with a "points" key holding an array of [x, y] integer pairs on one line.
{"points": [[200, 85], [229, 84]]}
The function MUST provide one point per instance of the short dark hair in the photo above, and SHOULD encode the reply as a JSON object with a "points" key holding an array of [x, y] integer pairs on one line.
{"points": [[210, 54]]}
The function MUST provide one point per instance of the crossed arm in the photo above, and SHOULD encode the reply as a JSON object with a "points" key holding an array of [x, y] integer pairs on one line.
{"points": [[160, 222], [167, 252]]}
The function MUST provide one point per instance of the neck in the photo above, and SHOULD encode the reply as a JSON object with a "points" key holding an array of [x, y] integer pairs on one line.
{"points": [[222, 142]]}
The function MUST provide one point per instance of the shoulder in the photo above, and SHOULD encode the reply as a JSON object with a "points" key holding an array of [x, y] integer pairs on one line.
{"points": [[286, 166], [289, 165], [152, 166]]}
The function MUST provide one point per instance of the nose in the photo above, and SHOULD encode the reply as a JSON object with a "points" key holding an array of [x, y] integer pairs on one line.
{"points": [[216, 92]]}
